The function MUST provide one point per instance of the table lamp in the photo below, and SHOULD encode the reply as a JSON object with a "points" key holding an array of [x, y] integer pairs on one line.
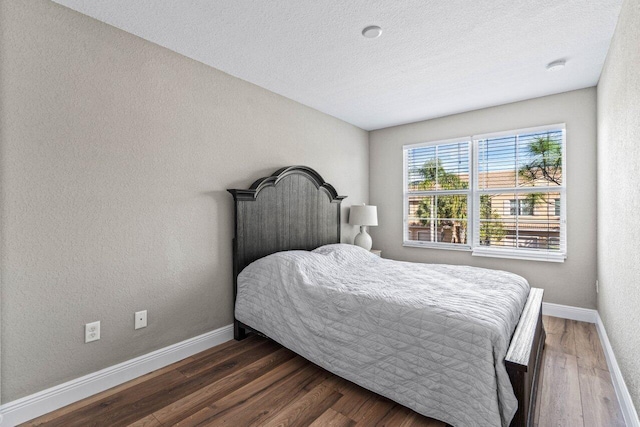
{"points": [[363, 215]]}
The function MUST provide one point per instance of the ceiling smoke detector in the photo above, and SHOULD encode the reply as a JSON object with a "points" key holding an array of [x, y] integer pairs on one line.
{"points": [[556, 65], [372, 32]]}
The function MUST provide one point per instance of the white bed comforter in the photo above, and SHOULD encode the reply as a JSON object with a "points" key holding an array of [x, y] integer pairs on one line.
{"points": [[430, 337]]}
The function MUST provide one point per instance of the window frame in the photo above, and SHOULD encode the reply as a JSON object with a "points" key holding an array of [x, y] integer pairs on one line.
{"points": [[518, 206], [473, 200], [406, 194]]}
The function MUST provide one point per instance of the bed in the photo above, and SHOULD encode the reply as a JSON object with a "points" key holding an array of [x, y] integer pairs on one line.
{"points": [[435, 351]]}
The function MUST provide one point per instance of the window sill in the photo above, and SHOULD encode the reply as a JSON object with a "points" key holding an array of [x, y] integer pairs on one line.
{"points": [[522, 255], [487, 252], [430, 245]]}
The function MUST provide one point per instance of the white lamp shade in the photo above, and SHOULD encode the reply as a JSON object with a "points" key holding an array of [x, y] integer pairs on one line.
{"points": [[363, 215]]}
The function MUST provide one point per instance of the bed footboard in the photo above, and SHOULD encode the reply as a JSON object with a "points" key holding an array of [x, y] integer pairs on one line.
{"points": [[524, 358]]}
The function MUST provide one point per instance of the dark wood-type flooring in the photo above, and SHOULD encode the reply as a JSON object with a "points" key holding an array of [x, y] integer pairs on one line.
{"points": [[256, 382]]}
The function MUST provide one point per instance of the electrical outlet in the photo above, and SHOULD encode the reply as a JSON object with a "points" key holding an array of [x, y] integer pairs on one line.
{"points": [[141, 319], [92, 331]]}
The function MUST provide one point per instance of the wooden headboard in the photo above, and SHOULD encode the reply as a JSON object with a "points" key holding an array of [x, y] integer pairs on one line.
{"points": [[294, 208]]}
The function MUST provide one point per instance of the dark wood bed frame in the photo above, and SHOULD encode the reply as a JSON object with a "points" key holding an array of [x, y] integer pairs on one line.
{"points": [[296, 209]]}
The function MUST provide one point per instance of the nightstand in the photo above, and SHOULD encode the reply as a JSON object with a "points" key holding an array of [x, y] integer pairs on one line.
{"points": [[376, 252]]}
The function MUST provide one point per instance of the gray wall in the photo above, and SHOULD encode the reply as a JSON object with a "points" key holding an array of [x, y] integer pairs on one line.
{"points": [[619, 195], [115, 157], [571, 282]]}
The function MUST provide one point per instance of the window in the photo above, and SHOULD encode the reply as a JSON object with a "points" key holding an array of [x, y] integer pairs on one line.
{"points": [[520, 207], [438, 193], [496, 195]]}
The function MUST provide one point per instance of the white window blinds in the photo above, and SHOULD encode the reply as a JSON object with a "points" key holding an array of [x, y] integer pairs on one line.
{"points": [[499, 194], [525, 168], [437, 193]]}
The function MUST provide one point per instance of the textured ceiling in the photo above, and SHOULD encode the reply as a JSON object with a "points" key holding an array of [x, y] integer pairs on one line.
{"points": [[434, 58]]}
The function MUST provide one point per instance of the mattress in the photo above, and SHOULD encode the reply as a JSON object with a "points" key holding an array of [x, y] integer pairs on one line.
{"points": [[430, 337]]}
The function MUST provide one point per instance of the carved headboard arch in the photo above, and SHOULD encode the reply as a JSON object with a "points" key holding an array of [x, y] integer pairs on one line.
{"points": [[294, 208]]}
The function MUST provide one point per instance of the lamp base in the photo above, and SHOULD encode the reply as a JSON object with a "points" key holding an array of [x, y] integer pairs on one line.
{"points": [[363, 239]]}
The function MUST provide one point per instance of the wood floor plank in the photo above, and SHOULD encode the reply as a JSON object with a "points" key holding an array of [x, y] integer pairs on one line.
{"points": [[589, 349], [279, 397], [148, 421], [221, 348], [380, 408], [401, 416], [130, 393], [219, 379], [331, 418], [260, 407], [202, 364], [560, 335], [199, 418], [599, 403], [416, 420], [105, 394], [205, 397], [561, 404], [190, 403], [226, 348], [355, 402], [306, 409], [94, 414], [146, 398], [395, 417]]}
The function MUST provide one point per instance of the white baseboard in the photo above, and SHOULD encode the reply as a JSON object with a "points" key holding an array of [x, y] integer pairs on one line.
{"points": [[592, 316], [568, 312], [35, 405], [622, 392]]}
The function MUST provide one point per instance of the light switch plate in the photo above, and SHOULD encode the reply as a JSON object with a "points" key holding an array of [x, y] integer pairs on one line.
{"points": [[141, 319]]}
